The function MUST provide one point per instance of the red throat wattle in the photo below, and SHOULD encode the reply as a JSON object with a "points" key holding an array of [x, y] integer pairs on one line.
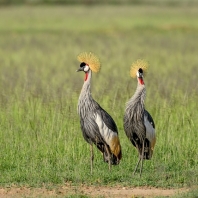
{"points": [[141, 81], [86, 76]]}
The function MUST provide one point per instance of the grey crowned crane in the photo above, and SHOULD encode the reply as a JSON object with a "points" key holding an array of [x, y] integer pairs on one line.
{"points": [[97, 125], [138, 123]]}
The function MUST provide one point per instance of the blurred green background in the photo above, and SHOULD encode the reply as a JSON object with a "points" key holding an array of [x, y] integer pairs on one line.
{"points": [[40, 137], [92, 2]]}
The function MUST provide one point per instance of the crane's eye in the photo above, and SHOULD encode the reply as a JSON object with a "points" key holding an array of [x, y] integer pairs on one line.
{"points": [[141, 70], [82, 64]]}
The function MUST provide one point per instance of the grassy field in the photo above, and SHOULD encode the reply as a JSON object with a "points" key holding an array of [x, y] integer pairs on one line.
{"points": [[40, 138]]}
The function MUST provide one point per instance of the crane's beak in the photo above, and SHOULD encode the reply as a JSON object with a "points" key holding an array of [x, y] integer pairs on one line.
{"points": [[80, 69]]}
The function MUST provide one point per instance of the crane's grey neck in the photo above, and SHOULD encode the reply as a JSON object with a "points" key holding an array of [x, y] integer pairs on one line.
{"points": [[135, 106], [85, 101]]}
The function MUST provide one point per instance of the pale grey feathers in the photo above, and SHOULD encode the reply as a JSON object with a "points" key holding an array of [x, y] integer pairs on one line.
{"points": [[88, 110], [134, 115]]}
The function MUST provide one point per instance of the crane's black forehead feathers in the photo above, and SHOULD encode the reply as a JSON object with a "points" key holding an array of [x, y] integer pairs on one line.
{"points": [[140, 70], [82, 64]]}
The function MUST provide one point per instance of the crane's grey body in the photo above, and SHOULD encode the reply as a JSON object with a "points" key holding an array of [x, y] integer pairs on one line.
{"points": [[139, 125], [97, 125]]}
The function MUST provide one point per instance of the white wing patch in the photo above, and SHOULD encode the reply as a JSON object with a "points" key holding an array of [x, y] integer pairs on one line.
{"points": [[150, 131], [105, 132]]}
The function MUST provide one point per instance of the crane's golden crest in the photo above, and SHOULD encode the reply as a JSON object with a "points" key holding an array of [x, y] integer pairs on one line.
{"points": [[91, 59], [136, 66]]}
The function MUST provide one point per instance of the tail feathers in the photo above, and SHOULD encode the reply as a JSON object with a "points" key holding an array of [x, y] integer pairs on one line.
{"points": [[148, 149], [115, 147], [115, 160]]}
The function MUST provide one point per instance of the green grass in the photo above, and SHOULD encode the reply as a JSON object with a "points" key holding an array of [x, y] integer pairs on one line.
{"points": [[191, 194], [40, 136]]}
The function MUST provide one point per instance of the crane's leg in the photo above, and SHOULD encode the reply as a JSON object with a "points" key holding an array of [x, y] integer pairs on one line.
{"points": [[109, 156], [136, 166], [138, 159], [142, 158], [92, 157]]}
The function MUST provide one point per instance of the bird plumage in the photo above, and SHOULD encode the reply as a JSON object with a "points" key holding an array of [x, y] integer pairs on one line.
{"points": [[138, 123], [97, 125]]}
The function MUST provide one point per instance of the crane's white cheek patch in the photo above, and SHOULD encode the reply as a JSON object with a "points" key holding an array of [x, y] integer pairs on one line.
{"points": [[110, 137], [86, 68], [150, 132]]}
